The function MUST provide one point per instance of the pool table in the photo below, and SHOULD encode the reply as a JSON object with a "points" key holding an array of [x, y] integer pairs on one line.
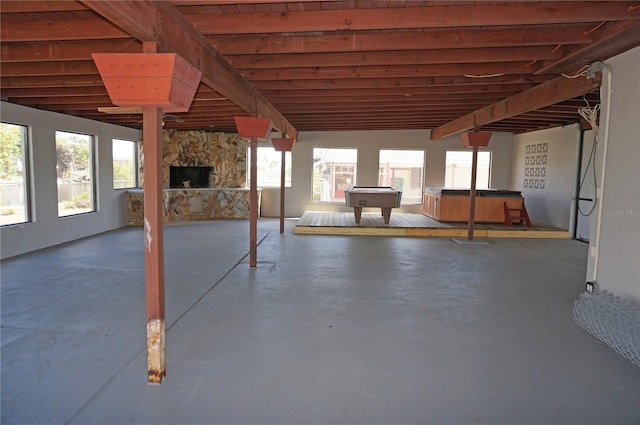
{"points": [[384, 198]]}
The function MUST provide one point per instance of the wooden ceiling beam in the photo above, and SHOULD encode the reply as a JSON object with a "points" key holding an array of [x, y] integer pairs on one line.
{"points": [[17, 69], [59, 92], [209, 2], [64, 51], [549, 93], [387, 98], [59, 81], [469, 15], [612, 40], [414, 40], [301, 102], [407, 107], [33, 6], [396, 57], [405, 91], [102, 100], [335, 72], [162, 23], [450, 82], [79, 29]]}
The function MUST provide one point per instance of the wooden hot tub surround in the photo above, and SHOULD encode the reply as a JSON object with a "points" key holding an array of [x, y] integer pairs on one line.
{"points": [[444, 204]]}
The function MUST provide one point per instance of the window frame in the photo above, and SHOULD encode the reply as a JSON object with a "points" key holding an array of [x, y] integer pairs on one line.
{"points": [[468, 185], [288, 164], [25, 158], [136, 164], [334, 189], [93, 175], [417, 200]]}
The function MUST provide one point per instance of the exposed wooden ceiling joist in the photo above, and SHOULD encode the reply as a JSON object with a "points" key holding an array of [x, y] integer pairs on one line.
{"points": [[442, 16], [160, 22], [390, 58], [412, 64], [612, 40], [549, 93], [358, 41]]}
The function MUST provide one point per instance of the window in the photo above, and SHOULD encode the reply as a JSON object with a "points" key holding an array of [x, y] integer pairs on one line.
{"points": [[334, 171], [458, 169], [402, 170], [125, 164], [269, 167], [14, 182], [74, 167]]}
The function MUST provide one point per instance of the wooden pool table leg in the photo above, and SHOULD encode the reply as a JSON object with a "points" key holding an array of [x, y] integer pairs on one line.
{"points": [[357, 211], [386, 213]]}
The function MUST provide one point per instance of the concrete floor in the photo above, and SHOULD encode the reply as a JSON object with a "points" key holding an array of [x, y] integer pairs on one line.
{"points": [[327, 329]]}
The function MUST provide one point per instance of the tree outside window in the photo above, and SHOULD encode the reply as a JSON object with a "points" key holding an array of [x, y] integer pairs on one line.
{"points": [[75, 171], [125, 164], [14, 185]]}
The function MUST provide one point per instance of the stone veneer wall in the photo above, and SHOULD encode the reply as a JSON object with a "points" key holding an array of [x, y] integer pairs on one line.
{"points": [[226, 197], [226, 153], [193, 204]]}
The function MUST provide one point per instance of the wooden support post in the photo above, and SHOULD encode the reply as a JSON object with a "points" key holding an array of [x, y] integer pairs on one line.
{"points": [[252, 129], [472, 192], [283, 145], [253, 204], [153, 241], [154, 82], [282, 177]]}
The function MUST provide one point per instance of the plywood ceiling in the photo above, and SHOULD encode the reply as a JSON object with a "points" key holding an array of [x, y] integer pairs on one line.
{"points": [[318, 65]]}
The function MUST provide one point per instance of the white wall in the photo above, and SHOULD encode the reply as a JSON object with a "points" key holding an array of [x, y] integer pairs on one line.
{"points": [[552, 205], [46, 229], [614, 260], [369, 143]]}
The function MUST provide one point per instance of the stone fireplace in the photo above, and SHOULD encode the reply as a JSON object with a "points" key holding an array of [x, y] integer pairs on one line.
{"points": [[215, 164]]}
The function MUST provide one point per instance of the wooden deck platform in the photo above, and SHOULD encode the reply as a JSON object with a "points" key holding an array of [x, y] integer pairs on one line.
{"points": [[416, 225]]}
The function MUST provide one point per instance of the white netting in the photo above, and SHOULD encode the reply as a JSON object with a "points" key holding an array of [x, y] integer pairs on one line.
{"points": [[613, 320]]}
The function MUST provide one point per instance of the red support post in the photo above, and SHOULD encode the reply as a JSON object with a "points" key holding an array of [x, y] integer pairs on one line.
{"points": [[153, 243], [253, 204], [282, 177], [472, 193]]}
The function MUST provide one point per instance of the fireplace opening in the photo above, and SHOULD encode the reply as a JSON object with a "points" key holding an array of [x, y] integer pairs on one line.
{"points": [[189, 177]]}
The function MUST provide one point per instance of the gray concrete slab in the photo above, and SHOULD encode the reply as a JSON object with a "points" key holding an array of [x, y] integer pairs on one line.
{"points": [[327, 329]]}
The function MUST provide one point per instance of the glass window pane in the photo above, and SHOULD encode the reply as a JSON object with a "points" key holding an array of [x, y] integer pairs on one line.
{"points": [[74, 167], [334, 171], [458, 169], [269, 168], [14, 182], [125, 164], [403, 170]]}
